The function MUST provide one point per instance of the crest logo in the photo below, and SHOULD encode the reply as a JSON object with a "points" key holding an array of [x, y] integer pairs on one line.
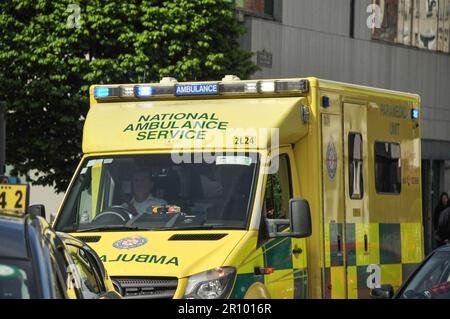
{"points": [[331, 160], [130, 242]]}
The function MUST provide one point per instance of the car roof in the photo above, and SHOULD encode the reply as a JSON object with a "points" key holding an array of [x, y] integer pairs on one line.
{"points": [[445, 248], [14, 233]]}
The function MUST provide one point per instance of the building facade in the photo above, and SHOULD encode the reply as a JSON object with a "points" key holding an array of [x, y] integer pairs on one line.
{"points": [[393, 44]]}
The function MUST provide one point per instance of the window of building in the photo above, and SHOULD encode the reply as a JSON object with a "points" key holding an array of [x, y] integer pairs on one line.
{"points": [[388, 168], [355, 171], [421, 23], [259, 7]]}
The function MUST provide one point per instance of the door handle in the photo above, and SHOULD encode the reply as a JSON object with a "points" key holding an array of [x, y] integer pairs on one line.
{"points": [[297, 251]]}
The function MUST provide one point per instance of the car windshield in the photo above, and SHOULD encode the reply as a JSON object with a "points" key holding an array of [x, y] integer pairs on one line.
{"points": [[16, 281], [161, 192], [432, 281]]}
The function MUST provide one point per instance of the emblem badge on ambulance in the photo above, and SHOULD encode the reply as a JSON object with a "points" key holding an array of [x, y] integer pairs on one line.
{"points": [[331, 159], [130, 242]]}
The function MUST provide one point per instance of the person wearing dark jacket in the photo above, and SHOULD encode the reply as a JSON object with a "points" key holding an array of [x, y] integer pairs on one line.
{"points": [[444, 203], [443, 229]]}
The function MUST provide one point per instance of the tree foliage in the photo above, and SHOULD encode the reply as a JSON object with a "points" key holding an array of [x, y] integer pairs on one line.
{"points": [[49, 57]]}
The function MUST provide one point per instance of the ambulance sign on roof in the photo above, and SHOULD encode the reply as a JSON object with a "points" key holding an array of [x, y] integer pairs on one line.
{"points": [[197, 89]]}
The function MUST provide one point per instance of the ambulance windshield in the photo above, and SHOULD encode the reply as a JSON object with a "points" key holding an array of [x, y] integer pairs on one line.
{"points": [[161, 192]]}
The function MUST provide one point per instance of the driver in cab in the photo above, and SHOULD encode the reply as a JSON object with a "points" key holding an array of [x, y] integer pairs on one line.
{"points": [[143, 201]]}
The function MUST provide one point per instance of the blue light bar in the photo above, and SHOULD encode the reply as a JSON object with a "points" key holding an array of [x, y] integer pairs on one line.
{"points": [[197, 89], [100, 92], [415, 114], [144, 91]]}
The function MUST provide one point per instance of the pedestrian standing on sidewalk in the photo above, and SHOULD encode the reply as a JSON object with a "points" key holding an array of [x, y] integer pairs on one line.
{"points": [[444, 203], [444, 226]]}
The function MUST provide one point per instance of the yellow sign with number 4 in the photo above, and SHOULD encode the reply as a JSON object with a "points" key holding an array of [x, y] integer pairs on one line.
{"points": [[14, 197]]}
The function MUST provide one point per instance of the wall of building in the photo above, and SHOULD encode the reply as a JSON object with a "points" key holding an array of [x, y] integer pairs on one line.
{"points": [[323, 38], [312, 39]]}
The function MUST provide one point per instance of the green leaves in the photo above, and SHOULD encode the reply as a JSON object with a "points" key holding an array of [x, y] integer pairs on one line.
{"points": [[46, 66]]}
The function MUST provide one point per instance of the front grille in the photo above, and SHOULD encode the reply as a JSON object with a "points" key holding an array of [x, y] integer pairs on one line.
{"points": [[146, 287]]}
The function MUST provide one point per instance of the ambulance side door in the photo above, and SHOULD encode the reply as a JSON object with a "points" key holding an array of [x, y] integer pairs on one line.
{"points": [[356, 199], [285, 256]]}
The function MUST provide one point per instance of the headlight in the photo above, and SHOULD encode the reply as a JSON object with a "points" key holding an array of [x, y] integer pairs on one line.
{"points": [[211, 284]]}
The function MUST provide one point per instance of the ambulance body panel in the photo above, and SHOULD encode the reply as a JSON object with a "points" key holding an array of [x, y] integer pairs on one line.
{"points": [[353, 152]]}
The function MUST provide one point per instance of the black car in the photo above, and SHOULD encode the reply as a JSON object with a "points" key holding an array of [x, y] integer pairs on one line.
{"points": [[37, 262], [431, 280]]}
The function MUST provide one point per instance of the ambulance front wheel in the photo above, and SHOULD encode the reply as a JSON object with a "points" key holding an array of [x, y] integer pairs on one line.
{"points": [[257, 291]]}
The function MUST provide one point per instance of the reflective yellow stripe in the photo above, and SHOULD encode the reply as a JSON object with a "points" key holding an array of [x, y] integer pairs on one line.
{"points": [[391, 274], [338, 282], [327, 246], [352, 281], [280, 284], [411, 249]]}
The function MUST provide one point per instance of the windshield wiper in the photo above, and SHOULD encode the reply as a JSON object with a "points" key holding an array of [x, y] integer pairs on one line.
{"points": [[110, 228]]}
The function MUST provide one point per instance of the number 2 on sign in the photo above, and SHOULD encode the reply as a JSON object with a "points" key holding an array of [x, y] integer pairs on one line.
{"points": [[19, 195]]}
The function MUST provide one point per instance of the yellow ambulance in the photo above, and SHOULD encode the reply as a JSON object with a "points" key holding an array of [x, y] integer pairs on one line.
{"points": [[287, 188]]}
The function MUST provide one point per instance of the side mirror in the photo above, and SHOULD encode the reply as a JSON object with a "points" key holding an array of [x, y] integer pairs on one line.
{"points": [[37, 210], [300, 218], [300, 221], [384, 292]]}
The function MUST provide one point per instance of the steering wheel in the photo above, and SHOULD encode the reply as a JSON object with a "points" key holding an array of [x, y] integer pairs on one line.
{"points": [[114, 215]]}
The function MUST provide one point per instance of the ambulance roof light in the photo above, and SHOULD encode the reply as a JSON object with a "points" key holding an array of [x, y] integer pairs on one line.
{"points": [[267, 86], [231, 77], [171, 88], [127, 91], [143, 91], [301, 86], [105, 92], [168, 80]]}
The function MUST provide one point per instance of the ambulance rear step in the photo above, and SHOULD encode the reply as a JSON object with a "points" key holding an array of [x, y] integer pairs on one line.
{"points": [[146, 287]]}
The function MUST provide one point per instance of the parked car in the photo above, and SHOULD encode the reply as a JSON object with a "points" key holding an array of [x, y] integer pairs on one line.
{"points": [[36, 262], [431, 280]]}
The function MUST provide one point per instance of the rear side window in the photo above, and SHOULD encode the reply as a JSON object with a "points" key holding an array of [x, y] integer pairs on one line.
{"points": [[90, 283], [388, 173]]}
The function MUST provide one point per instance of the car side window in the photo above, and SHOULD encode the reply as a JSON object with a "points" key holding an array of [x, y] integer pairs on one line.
{"points": [[58, 265], [90, 282]]}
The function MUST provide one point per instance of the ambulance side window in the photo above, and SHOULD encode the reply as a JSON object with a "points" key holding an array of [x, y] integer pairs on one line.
{"points": [[279, 191], [355, 170], [388, 173]]}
